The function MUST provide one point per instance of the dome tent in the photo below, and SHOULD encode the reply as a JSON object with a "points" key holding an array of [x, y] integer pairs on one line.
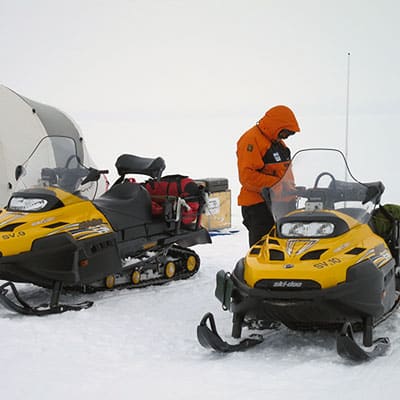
{"points": [[23, 122]]}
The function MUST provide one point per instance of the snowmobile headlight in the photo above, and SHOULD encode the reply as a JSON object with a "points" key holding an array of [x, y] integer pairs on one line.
{"points": [[307, 229], [27, 204]]}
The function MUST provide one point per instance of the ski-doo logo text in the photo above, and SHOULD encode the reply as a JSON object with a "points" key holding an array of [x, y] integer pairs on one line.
{"points": [[287, 284]]}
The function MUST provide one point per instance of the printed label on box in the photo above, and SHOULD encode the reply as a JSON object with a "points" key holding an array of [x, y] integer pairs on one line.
{"points": [[213, 206]]}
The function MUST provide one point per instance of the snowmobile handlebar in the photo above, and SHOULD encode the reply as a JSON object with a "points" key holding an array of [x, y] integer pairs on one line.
{"points": [[335, 192], [339, 191], [68, 178], [94, 175]]}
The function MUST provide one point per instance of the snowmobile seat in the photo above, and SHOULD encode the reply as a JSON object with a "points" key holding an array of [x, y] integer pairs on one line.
{"points": [[125, 205], [130, 164]]}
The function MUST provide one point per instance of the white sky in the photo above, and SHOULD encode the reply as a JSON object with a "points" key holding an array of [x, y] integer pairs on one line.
{"points": [[169, 73]]}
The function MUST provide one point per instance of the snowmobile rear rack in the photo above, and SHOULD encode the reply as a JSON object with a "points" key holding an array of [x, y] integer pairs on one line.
{"points": [[209, 338], [22, 307]]}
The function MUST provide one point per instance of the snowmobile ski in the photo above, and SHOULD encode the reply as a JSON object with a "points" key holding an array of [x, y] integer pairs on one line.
{"points": [[209, 338], [348, 348], [22, 307]]}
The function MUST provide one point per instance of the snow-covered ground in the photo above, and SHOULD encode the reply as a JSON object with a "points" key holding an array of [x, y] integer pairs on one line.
{"points": [[142, 344]]}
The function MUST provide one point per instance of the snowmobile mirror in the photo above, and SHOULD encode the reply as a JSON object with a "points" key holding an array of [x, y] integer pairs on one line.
{"points": [[19, 171]]}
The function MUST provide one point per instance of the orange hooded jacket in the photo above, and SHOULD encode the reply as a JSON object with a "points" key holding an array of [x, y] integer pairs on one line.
{"points": [[254, 174]]}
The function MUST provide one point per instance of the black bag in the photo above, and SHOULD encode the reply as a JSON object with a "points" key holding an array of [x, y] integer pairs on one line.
{"points": [[384, 220], [175, 185], [386, 223]]}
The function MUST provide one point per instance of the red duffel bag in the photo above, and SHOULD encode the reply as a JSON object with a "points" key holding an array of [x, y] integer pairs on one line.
{"points": [[177, 186]]}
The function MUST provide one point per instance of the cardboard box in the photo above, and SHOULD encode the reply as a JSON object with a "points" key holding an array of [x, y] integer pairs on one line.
{"points": [[217, 213]]}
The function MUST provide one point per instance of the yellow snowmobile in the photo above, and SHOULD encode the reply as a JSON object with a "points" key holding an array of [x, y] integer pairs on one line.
{"points": [[56, 234], [322, 266]]}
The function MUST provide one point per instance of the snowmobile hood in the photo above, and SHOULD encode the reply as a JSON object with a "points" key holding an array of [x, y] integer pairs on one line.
{"points": [[276, 119], [77, 217], [322, 262]]}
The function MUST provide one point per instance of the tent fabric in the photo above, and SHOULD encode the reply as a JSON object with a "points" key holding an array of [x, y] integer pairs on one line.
{"points": [[56, 122], [23, 122]]}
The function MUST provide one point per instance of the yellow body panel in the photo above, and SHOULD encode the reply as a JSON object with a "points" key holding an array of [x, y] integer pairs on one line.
{"points": [[331, 267], [79, 217]]}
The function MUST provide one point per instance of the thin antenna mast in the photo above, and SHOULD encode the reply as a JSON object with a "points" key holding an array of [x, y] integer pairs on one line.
{"points": [[346, 147]]}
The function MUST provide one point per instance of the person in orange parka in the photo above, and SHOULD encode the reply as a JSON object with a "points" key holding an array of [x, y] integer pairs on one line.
{"points": [[263, 159]]}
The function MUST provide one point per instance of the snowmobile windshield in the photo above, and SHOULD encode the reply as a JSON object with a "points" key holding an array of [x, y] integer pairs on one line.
{"points": [[320, 179], [55, 162]]}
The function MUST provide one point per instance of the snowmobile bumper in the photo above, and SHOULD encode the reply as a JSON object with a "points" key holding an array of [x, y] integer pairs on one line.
{"points": [[360, 296], [60, 258]]}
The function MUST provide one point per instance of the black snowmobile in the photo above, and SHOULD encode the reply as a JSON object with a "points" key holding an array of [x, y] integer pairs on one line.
{"points": [[55, 234], [322, 266]]}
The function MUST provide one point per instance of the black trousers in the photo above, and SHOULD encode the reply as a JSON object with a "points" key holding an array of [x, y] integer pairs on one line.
{"points": [[258, 220]]}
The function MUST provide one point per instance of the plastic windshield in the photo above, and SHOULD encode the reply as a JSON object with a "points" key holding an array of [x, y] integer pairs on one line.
{"points": [[55, 163], [319, 179]]}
